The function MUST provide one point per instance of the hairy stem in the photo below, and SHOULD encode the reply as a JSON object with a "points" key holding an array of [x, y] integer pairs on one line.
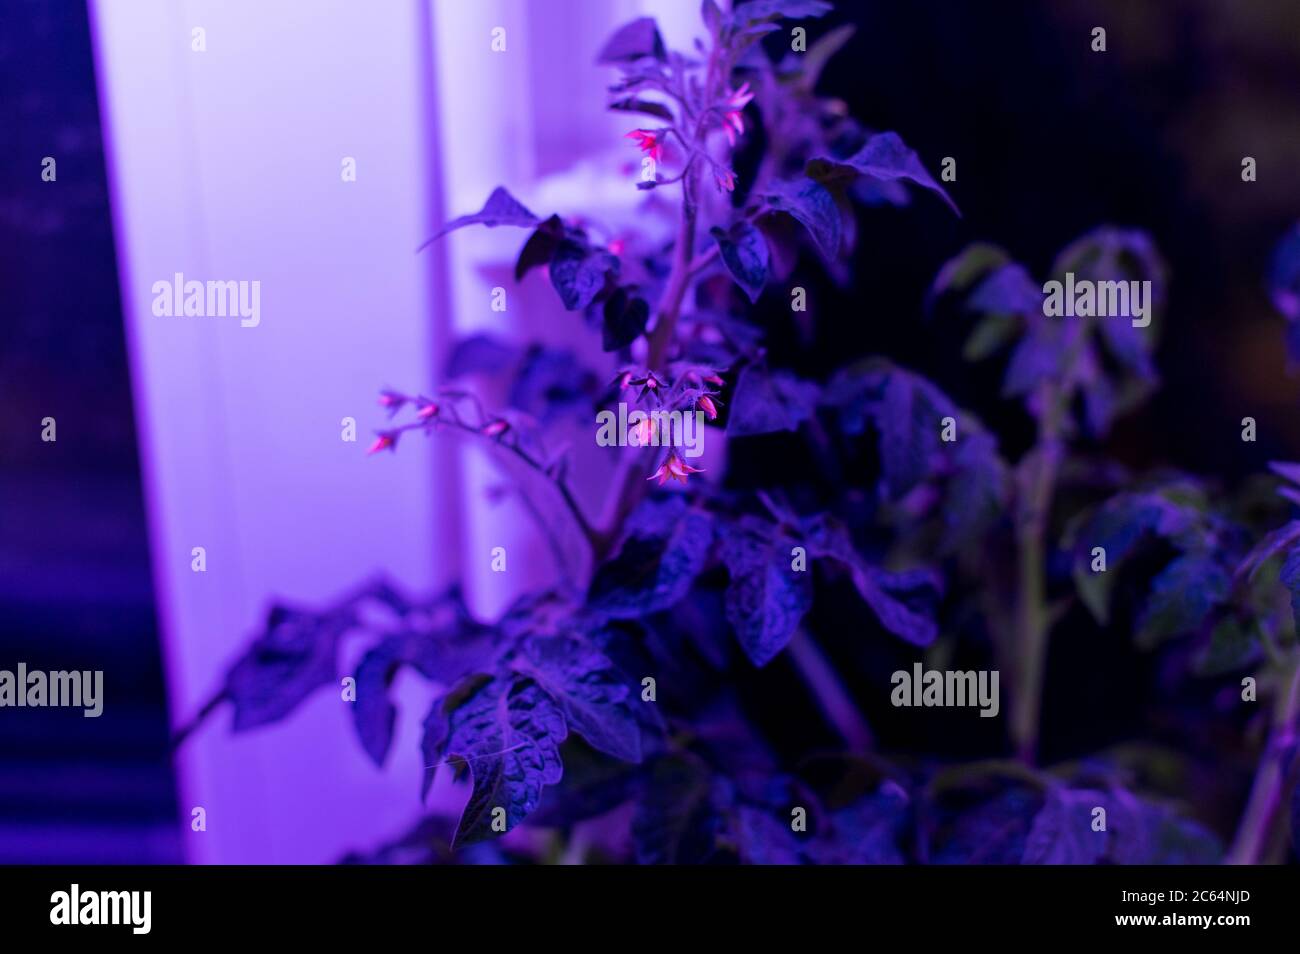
{"points": [[1256, 828], [1035, 490], [829, 692]]}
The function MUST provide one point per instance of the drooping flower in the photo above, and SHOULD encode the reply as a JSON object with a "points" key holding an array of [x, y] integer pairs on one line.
{"points": [[644, 431], [649, 142], [708, 407], [674, 468], [495, 428], [733, 120], [726, 180], [387, 440], [428, 409], [391, 401]]}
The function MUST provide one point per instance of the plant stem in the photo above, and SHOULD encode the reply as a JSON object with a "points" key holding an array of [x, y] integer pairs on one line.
{"points": [[629, 482], [829, 692], [1036, 485], [1253, 834]]}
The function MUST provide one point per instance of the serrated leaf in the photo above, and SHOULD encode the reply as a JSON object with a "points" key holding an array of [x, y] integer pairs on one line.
{"points": [[593, 696], [508, 732], [664, 550], [744, 252], [766, 598]]}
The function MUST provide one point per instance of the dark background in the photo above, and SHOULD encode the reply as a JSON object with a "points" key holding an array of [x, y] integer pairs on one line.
{"points": [[1051, 140]]}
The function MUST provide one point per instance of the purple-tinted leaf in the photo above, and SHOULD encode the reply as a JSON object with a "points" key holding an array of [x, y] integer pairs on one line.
{"points": [[764, 837], [540, 247], [744, 252], [965, 268], [592, 785], [664, 550], [578, 273], [884, 157], [991, 832], [675, 820], [433, 739], [480, 354], [444, 656], [296, 655], [1119, 526], [977, 490], [551, 382], [1062, 830], [892, 596], [1143, 833], [633, 104], [1008, 290], [632, 42], [501, 208], [753, 11], [509, 732], [767, 401], [1284, 275], [866, 832], [1183, 595], [766, 598], [1290, 578], [1039, 357], [624, 319], [592, 695], [812, 205]]}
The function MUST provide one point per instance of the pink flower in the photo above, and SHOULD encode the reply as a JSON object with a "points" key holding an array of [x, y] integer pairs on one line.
{"points": [[495, 428], [674, 468], [383, 442], [726, 180], [644, 431], [733, 122], [706, 404], [392, 401], [427, 411], [648, 142]]}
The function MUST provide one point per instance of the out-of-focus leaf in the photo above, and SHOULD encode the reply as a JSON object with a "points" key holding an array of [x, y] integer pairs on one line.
{"points": [[624, 319], [1183, 595], [767, 401], [633, 41], [501, 208], [675, 820], [480, 354], [1062, 830], [755, 11]]}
